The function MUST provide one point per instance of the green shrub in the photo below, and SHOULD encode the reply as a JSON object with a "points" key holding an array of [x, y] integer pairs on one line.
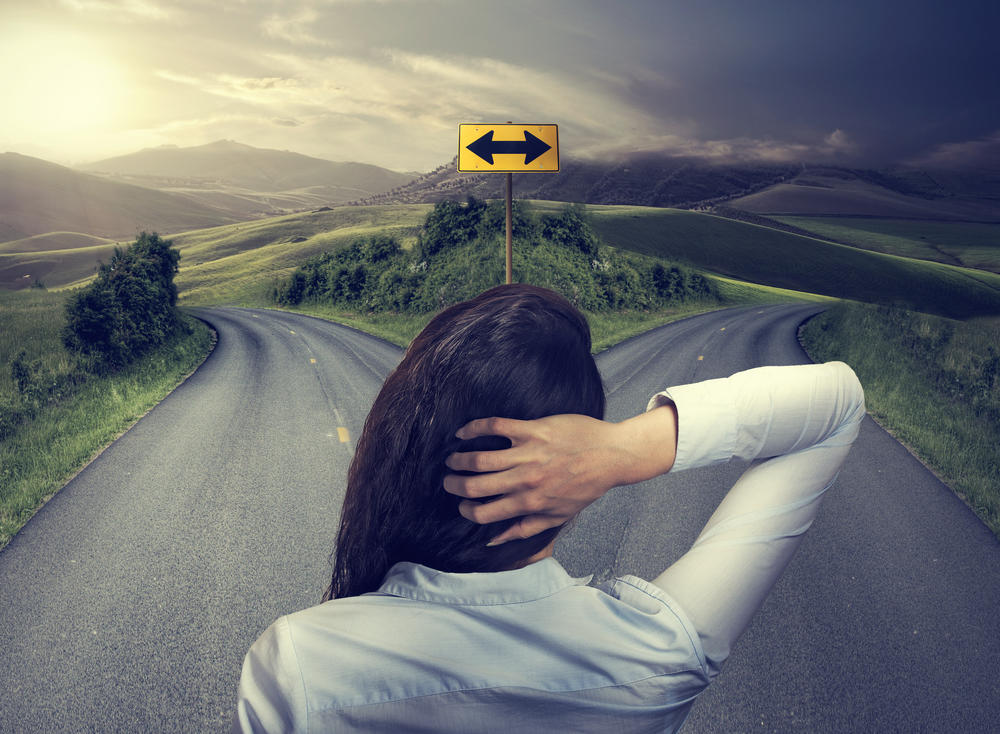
{"points": [[129, 309], [459, 253]]}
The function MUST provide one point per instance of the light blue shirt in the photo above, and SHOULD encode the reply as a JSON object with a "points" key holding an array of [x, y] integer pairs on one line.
{"points": [[535, 650], [514, 651]]}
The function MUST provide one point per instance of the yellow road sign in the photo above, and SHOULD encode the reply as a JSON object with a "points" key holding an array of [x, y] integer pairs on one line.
{"points": [[486, 147]]}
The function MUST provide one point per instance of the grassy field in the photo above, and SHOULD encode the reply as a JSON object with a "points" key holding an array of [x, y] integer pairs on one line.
{"points": [[52, 241], [770, 257], [969, 244], [836, 192], [38, 455], [933, 382], [240, 263], [31, 320], [53, 268]]}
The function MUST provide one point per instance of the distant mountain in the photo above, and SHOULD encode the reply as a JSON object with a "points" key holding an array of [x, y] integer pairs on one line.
{"points": [[37, 197], [657, 179], [645, 179], [238, 169]]}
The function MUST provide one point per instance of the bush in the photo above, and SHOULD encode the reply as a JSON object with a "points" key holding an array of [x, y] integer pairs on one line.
{"points": [[129, 309], [459, 253], [449, 224]]}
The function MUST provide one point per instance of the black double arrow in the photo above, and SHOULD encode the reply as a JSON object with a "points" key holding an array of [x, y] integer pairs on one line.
{"points": [[486, 147]]}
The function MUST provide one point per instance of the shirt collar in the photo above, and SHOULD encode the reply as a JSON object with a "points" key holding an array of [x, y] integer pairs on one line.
{"points": [[534, 581]]}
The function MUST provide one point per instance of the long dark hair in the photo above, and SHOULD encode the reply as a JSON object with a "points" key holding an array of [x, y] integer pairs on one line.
{"points": [[515, 351]]}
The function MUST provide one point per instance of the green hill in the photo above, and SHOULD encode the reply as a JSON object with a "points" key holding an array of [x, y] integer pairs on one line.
{"points": [[240, 263], [51, 241], [968, 244], [844, 192], [775, 258], [53, 268]]}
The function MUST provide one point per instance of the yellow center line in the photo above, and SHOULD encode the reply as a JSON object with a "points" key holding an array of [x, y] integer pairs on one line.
{"points": [[343, 434]]}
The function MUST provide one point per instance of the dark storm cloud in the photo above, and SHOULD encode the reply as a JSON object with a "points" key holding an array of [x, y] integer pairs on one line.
{"points": [[899, 77]]}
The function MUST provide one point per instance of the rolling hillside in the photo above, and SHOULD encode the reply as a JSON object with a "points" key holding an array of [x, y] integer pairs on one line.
{"points": [[909, 195], [51, 241], [235, 175], [38, 197], [52, 268], [775, 258], [240, 262], [968, 244]]}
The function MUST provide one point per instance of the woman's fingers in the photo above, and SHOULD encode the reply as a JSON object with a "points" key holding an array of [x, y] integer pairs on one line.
{"points": [[482, 461], [556, 466], [515, 430], [526, 527], [476, 486], [473, 487], [484, 513]]}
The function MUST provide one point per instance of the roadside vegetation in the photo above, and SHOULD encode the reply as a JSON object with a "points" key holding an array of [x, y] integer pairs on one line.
{"points": [[89, 363], [456, 256], [933, 382], [80, 368]]}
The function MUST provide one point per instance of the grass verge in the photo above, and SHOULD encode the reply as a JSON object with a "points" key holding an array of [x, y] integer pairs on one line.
{"points": [[934, 383], [44, 452]]}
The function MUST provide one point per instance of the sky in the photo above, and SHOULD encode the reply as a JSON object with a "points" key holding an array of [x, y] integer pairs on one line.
{"points": [[854, 82]]}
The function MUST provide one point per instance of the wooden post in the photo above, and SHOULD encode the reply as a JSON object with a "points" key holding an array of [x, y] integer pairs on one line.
{"points": [[510, 251]]}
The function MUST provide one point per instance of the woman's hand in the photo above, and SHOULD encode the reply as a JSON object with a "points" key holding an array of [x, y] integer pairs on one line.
{"points": [[556, 466]]}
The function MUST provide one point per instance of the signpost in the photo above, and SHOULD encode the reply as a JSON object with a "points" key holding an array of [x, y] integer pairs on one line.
{"points": [[488, 148]]}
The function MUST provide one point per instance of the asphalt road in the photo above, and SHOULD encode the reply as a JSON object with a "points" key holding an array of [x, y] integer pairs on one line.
{"points": [[129, 600]]}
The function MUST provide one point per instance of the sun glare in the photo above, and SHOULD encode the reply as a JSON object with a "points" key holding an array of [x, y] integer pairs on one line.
{"points": [[55, 84]]}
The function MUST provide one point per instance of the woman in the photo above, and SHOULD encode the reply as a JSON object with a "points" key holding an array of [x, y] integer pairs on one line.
{"points": [[446, 611]]}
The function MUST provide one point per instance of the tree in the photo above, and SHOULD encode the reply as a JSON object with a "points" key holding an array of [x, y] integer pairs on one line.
{"points": [[129, 309]]}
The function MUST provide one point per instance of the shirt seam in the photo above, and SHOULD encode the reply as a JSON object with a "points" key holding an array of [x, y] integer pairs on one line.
{"points": [[472, 689], [686, 623], [298, 666], [405, 588]]}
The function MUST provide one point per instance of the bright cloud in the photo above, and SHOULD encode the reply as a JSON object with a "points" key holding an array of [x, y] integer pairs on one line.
{"points": [[296, 29], [121, 9]]}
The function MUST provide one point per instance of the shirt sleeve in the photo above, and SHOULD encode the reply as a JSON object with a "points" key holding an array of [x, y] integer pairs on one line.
{"points": [[801, 421], [271, 696]]}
